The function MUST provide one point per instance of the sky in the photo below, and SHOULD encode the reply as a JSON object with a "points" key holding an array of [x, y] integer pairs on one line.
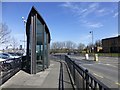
{"points": [[67, 21]]}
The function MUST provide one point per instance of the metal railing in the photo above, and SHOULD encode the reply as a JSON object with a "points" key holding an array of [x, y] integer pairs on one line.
{"points": [[61, 85], [8, 68], [83, 80]]}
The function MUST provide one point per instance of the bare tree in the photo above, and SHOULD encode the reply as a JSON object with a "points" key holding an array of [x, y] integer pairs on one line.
{"points": [[70, 45], [4, 33], [81, 47], [14, 43], [90, 47], [54, 45], [59, 45], [63, 46], [98, 43]]}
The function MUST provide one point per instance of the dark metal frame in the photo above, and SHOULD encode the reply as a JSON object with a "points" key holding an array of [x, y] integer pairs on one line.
{"points": [[8, 68], [61, 85], [89, 82], [32, 20], [83, 80]]}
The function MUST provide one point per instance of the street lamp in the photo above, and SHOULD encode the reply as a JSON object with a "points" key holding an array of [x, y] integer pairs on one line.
{"points": [[95, 55], [23, 19], [92, 40]]}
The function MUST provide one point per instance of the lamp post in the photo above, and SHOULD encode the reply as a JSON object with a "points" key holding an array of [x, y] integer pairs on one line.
{"points": [[95, 55], [23, 19], [92, 41]]}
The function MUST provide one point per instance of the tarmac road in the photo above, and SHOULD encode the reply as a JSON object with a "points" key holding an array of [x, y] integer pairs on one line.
{"points": [[106, 69]]}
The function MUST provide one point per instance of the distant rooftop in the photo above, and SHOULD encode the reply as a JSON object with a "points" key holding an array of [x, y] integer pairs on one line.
{"points": [[111, 37]]}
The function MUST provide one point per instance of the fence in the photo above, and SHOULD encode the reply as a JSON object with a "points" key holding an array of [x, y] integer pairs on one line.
{"points": [[8, 68], [83, 80], [61, 85]]}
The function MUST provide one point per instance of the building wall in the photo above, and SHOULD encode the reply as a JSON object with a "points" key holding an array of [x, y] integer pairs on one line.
{"points": [[111, 45]]}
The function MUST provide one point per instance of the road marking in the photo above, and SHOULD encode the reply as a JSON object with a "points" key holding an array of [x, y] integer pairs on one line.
{"points": [[88, 64], [110, 65], [98, 75], [107, 64], [100, 63], [117, 83]]}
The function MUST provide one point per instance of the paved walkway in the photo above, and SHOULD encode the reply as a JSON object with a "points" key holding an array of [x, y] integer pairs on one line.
{"points": [[45, 79]]}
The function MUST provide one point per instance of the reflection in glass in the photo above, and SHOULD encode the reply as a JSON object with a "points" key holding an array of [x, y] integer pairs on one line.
{"points": [[39, 47], [38, 39]]}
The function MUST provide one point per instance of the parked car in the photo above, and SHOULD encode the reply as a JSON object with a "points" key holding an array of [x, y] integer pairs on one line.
{"points": [[3, 57], [10, 55], [10, 60], [14, 55], [3, 65]]}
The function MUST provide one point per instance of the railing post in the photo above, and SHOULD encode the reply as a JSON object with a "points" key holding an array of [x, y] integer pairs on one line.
{"points": [[84, 81], [74, 71], [61, 83], [87, 79], [100, 87], [95, 85]]}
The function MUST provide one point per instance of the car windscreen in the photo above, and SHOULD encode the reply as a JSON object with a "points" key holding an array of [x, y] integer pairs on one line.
{"points": [[3, 56], [12, 54]]}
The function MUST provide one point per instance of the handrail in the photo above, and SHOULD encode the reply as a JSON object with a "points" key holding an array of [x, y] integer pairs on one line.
{"points": [[90, 82], [81, 76], [9, 67], [61, 85]]}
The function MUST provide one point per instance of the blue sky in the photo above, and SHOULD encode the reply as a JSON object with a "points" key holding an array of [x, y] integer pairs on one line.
{"points": [[65, 20]]}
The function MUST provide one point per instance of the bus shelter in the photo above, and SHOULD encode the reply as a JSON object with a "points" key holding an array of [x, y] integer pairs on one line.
{"points": [[38, 42]]}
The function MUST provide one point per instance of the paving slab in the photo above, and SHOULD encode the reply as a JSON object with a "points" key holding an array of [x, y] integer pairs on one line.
{"points": [[44, 79]]}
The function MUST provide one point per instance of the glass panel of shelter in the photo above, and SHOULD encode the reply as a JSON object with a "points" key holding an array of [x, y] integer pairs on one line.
{"points": [[39, 46], [45, 48]]}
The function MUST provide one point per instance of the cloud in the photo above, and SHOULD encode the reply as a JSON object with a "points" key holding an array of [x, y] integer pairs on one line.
{"points": [[101, 11], [91, 24], [79, 10], [67, 4], [84, 10], [95, 25], [70, 5], [89, 12], [115, 14]]}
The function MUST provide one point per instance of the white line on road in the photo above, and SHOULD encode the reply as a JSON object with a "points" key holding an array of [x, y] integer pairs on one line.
{"points": [[107, 64], [110, 65], [98, 75]]}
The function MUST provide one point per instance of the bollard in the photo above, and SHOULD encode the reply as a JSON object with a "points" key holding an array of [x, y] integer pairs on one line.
{"points": [[96, 57], [86, 56]]}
